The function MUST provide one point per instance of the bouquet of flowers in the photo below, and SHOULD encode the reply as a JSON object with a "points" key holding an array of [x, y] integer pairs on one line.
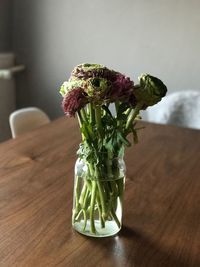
{"points": [[100, 172]]}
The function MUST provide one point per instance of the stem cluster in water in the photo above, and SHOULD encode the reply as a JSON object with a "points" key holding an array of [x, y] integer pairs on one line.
{"points": [[100, 169]]}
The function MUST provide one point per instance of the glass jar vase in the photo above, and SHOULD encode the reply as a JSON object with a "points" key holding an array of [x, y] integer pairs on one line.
{"points": [[98, 196]]}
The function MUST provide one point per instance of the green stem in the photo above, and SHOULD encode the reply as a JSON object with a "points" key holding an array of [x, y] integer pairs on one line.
{"points": [[80, 121], [77, 193], [77, 189], [133, 115], [86, 198], [116, 107], [100, 197], [85, 207], [120, 185], [100, 213], [83, 121], [85, 219], [98, 120], [91, 113], [128, 111], [84, 115], [115, 218], [109, 163], [83, 193], [102, 200], [101, 193], [92, 205]]}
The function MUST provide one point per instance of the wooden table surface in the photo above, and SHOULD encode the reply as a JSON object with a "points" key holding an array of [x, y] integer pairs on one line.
{"points": [[161, 222]]}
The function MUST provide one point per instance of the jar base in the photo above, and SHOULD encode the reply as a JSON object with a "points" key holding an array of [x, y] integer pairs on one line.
{"points": [[110, 229]]}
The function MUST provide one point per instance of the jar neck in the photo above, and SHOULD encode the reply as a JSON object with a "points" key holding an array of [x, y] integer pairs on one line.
{"points": [[110, 153], [103, 169]]}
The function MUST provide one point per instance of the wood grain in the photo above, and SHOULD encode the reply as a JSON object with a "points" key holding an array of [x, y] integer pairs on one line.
{"points": [[161, 207]]}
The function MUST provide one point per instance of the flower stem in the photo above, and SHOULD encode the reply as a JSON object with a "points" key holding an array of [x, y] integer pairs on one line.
{"points": [[84, 115], [98, 120], [92, 205], [91, 113], [102, 200], [115, 218], [133, 115], [80, 121], [116, 107]]}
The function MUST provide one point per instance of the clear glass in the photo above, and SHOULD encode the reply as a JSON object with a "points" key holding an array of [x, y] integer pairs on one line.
{"points": [[98, 197]]}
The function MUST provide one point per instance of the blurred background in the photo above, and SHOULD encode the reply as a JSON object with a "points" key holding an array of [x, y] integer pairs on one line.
{"points": [[50, 37]]}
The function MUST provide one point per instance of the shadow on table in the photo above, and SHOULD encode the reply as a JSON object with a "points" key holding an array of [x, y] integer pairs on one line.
{"points": [[133, 249]]}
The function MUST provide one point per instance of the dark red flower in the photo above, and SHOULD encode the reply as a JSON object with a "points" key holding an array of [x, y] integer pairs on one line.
{"points": [[122, 87], [74, 101]]}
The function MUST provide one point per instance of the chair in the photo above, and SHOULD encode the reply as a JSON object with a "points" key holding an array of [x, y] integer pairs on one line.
{"points": [[180, 108], [27, 119]]}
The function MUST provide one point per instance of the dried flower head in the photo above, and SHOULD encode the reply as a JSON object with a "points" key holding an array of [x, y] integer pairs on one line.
{"points": [[96, 88], [86, 71], [67, 86], [73, 101], [122, 88]]}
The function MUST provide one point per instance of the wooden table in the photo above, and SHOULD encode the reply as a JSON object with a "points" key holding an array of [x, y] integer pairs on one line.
{"points": [[161, 210]]}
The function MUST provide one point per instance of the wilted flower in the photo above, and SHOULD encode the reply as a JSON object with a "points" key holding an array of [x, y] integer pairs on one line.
{"points": [[122, 87], [100, 83], [86, 71], [74, 101], [97, 84], [96, 88], [70, 85], [150, 90]]}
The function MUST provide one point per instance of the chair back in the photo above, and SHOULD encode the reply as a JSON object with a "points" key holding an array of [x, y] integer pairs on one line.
{"points": [[180, 108], [27, 119]]}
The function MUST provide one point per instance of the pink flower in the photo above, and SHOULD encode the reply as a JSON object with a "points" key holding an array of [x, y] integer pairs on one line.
{"points": [[74, 101]]}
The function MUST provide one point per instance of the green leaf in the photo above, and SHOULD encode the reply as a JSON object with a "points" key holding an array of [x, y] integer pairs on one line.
{"points": [[123, 139], [122, 117], [122, 108], [107, 111]]}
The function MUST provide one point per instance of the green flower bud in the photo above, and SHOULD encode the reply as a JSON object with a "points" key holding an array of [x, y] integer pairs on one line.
{"points": [[150, 90], [97, 88]]}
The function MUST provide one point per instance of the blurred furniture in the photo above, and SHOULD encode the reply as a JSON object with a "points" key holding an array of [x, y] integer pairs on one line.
{"points": [[27, 119], [161, 202], [7, 91], [180, 108]]}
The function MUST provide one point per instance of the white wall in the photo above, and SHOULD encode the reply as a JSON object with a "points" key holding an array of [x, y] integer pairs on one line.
{"points": [[132, 36]]}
